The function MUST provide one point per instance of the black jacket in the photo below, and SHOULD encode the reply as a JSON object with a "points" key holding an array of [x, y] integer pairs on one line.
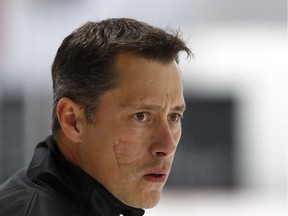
{"points": [[51, 186]]}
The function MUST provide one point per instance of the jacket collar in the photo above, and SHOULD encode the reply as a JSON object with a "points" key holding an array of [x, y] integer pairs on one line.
{"points": [[90, 195]]}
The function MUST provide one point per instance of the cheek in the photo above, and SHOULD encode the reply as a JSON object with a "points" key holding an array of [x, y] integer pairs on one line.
{"points": [[176, 134], [127, 152]]}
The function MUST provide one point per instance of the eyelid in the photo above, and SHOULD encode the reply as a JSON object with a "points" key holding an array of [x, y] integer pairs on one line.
{"points": [[146, 116]]}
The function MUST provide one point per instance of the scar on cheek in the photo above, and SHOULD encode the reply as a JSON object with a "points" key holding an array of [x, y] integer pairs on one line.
{"points": [[127, 152]]}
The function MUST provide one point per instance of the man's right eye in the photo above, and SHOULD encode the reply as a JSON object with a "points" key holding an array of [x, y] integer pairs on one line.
{"points": [[141, 116]]}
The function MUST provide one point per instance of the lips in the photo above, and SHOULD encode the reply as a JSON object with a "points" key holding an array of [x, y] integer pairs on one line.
{"points": [[156, 176]]}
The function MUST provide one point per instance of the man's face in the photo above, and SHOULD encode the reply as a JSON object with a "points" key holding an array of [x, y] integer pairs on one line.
{"points": [[130, 147]]}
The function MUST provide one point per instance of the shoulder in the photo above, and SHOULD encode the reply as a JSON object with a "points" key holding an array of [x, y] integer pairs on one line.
{"points": [[21, 197]]}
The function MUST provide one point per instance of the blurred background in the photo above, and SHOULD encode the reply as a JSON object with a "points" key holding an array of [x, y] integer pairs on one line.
{"points": [[232, 158]]}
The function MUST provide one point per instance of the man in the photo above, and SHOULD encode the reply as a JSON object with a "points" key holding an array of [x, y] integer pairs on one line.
{"points": [[118, 104]]}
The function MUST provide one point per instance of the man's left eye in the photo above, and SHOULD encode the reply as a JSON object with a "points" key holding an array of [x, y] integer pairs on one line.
{"points": [[175, 117]]}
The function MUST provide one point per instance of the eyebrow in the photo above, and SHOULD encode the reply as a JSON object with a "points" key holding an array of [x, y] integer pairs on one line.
{"points": [[155, 107], [180, 108]]}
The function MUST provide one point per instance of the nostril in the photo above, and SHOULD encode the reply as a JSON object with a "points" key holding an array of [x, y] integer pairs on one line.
{"points": [[161, 154]]}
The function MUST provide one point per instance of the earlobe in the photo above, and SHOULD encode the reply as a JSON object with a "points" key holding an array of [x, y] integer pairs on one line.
{"points": [[69, 117]]}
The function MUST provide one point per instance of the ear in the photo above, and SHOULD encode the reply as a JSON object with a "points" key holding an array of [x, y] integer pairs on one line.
{"points": [[70, 118]]}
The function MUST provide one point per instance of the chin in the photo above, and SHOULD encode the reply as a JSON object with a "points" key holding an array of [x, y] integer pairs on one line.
{"points": [[146, 202], [150, 204]]}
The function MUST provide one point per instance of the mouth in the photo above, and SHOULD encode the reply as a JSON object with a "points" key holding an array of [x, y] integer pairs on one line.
{"points": [[156, 177]]}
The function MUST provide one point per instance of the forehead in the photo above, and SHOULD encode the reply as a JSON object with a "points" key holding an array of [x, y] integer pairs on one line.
{"points": [[144, 79], [130, 66]]}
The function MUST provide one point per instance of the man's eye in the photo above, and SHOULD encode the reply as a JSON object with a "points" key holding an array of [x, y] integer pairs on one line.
{"points": [[141, 116], [175, 117]]}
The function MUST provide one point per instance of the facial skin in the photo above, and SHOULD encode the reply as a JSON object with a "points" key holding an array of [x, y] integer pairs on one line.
{"points": [[130, 147]]}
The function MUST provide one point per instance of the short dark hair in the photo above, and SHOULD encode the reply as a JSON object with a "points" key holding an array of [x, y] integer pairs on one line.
{"points": [[83, 66]]}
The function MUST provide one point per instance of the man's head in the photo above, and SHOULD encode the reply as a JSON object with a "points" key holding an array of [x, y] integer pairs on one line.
{"points": [[118, 100]]}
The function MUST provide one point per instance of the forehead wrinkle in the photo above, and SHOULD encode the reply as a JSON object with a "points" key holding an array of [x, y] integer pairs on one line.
{"points": [[142, 106], [152, 104]]}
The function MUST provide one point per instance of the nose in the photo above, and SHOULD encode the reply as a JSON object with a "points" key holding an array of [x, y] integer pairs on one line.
{"points": [[164, 140]]}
